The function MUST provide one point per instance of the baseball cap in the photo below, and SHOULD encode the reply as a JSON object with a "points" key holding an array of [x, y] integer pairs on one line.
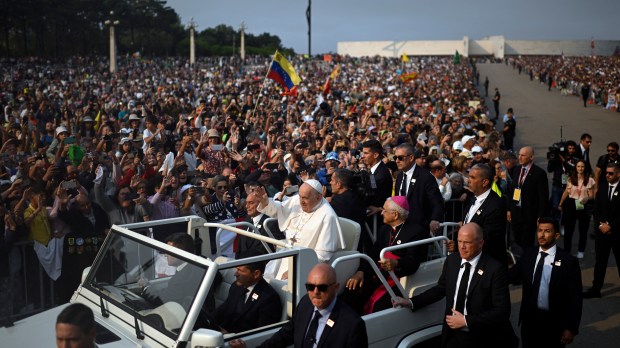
{"points": [[332, 156], [457, 146], [61, 129], [467, 138]]}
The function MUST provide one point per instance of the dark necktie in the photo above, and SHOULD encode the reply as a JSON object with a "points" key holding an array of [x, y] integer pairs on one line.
{"points": [[462, 294], [403, 186], [311, 335], [538, 275], [242, 300]]}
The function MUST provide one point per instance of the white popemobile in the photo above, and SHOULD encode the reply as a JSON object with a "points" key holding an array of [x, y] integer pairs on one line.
{"points": [[124, 287]]}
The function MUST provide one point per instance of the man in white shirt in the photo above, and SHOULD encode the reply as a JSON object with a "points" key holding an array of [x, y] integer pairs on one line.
{"points": [[551, 303]]}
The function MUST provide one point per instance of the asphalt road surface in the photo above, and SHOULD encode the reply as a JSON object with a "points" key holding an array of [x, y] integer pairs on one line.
{"points": [[540, 114]]}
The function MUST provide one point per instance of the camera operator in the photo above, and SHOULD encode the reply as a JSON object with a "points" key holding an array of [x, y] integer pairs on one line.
{"points": [[344, 200], [562, 160]]}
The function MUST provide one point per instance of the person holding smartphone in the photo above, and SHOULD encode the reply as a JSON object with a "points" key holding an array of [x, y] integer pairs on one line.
{"points": [[225, 205], [213, 155]]}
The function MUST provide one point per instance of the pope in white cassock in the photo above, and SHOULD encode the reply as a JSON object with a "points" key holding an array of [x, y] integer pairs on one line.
{"points": [[307, 220]]}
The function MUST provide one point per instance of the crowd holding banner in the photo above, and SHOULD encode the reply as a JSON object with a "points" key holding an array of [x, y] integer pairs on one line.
{"points": [[155, 139]]}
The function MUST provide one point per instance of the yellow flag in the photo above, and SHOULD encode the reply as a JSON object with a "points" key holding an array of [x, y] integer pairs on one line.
{"points": [[404, 58]]}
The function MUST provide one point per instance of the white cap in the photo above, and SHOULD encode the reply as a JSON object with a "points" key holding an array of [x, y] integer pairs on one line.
{"points": [[185, 188], [476, 149], [316, 185], [457, 145], [467, 138], [61, 129]]}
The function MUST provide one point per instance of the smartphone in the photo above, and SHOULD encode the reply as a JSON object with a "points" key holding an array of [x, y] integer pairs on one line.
{"points": [[217, 147], [237, 192], [253, 147], [69, 140], [340, 143], [131, 195], [199, 190], [303, 145], [273, 166], [291, 189], [67, 185]]}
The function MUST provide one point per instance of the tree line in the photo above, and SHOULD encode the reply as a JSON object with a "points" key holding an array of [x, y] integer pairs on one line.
{"points": [[61, 28]]}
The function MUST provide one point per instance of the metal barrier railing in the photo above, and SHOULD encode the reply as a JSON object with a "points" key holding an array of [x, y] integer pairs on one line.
{"points": [[454, 210], [32, 292]]}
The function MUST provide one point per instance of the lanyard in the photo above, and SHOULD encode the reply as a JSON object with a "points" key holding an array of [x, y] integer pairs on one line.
{"points": [[523, 175]]}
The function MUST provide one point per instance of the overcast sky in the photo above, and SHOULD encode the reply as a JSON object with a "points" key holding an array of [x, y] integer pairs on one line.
{"points": [[402, 20]]}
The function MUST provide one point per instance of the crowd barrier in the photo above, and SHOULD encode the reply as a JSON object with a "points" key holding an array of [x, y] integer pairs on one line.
{"points": [[28, 290]]}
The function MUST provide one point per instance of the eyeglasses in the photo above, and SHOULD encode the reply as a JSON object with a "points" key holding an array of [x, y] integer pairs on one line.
{"points": [[401, 158], [610, 173], [319, 287], [588, 141], [221, 187], [611, 150]]}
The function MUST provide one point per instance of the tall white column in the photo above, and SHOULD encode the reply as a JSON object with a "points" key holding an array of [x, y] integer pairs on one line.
{"points": [[192, 43], [111, 22], [242, 41]]}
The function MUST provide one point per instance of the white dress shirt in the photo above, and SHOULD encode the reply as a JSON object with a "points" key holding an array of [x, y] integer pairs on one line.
{"points": [[543, 292], [477, 204], [407, 176], [473, 263]]}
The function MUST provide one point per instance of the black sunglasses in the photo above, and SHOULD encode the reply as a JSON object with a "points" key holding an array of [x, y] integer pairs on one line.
{"points": [[610, 173], [400, 158], [320, 287], [611, 150]]}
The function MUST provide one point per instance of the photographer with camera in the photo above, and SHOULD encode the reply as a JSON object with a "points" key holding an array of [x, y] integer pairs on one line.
{"points": [[562, 159]]}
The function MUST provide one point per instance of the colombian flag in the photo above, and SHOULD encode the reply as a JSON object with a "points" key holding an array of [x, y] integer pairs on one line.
{"points": [[282, 72]]}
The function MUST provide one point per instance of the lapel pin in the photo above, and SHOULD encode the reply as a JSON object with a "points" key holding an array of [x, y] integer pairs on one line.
{"points": [[398, 241], [558, 263], [479, 212], [258, 226], [254, 296], [480, 272], [330, 323], [616, 193], [413, 181]]}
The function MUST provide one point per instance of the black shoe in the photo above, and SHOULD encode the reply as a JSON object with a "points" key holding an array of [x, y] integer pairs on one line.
{"points": [[592, 294]]}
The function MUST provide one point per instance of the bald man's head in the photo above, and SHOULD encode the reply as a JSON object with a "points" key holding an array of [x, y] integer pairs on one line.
{"points": [[83, 204]]}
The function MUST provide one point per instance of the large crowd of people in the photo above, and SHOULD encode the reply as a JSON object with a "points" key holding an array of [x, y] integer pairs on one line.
{"points": [[594, 79], [84, 148]]}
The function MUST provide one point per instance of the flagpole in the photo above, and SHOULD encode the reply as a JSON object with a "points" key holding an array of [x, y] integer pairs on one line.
{"points": [[264, 81]]}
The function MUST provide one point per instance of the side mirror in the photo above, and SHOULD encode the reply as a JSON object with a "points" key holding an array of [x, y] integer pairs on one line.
{"points": [[203, 338]]}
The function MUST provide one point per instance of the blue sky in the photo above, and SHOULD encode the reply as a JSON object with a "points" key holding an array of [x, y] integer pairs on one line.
{"points": [[401, 20]]}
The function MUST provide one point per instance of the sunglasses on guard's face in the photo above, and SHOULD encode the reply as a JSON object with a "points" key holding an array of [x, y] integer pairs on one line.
{"points": [[319, 287]]}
